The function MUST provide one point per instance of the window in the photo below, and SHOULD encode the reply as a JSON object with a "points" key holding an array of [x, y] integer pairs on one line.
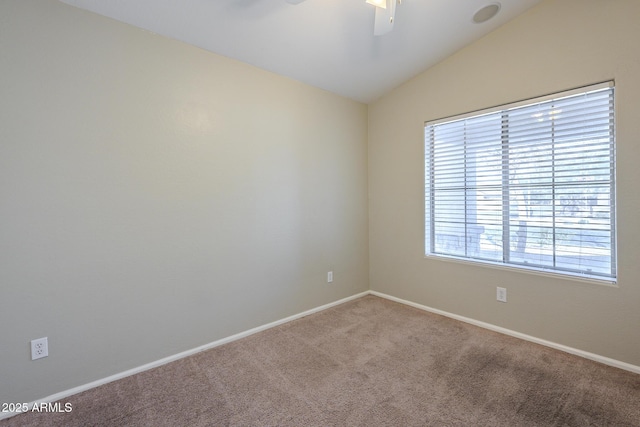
{"points": [[528, 185]]}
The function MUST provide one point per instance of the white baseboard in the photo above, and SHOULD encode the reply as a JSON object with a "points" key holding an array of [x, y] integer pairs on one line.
{"points": [[587, 355], [61, 395]]}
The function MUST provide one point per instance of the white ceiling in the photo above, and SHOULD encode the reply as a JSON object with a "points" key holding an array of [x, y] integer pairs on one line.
{"points": [[324, 43]]}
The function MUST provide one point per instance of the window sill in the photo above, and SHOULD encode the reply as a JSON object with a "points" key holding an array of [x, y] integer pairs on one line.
{"points": [[527, 270]]}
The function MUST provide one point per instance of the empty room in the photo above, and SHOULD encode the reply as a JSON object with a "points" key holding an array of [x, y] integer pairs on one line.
{"points": [[320, 213]]}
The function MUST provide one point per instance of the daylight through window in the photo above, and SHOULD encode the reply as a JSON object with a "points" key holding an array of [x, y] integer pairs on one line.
{"points": [[530, 184]]}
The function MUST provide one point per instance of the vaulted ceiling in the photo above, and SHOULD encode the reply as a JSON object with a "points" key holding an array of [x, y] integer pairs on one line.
{"points": [[325, 43]]}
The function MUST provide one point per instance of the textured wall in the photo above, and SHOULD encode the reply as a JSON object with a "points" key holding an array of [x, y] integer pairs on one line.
{"points": [[155, 197], [556, 45]]}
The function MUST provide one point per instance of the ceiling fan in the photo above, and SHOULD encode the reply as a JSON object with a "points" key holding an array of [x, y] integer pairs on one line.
{"points": [[385, 14]]}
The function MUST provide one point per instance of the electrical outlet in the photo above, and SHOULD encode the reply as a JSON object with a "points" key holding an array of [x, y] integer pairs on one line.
{"points": [[39, 348], [501, 294], [329, 276]]}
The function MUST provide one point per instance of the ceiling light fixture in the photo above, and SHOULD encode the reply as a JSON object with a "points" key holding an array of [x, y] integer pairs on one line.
{"points": [[378, 3], [487, 12]]}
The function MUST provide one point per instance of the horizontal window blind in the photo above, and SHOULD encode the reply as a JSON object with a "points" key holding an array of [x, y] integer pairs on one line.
{"points": [[529, 185]]}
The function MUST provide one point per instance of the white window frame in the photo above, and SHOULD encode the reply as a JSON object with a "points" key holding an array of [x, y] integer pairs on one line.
{"points": [[430, 233]]}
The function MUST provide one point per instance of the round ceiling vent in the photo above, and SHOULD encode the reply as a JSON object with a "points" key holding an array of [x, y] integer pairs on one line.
{"points": [[486, 13]]}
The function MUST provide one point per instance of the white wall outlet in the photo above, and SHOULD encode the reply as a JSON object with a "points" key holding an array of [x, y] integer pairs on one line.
{"points": [[501, 294], [39, 348], [329, 276]]}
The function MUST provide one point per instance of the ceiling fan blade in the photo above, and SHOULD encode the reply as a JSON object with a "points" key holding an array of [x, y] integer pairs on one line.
{"points": [[384, 18]]}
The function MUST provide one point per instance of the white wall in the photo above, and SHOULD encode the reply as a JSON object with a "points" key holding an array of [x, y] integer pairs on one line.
{"points": [[155, 197], [557, 45]]}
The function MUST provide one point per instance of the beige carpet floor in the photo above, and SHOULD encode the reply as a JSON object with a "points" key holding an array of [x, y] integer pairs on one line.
{"points": [[368, 362]]}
